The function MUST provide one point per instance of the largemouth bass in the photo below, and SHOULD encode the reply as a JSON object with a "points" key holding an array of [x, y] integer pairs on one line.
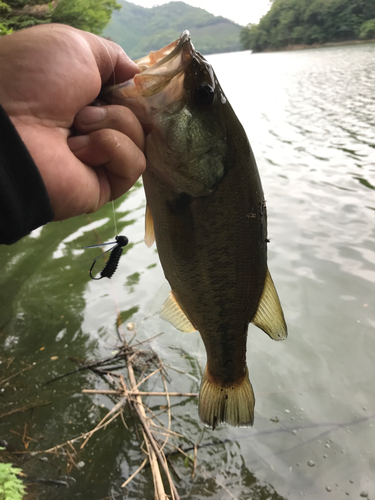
{"points": [[207, 213]]}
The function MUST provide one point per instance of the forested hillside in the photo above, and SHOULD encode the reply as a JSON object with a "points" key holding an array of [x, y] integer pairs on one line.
{"points": [[295, 22], [139, 30]]}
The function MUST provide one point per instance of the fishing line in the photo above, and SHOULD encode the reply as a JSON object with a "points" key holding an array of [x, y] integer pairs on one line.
{"points": [[114, 216], [120, 241]]}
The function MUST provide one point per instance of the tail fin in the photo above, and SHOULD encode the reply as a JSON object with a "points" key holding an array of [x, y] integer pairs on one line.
{"points": [[233, 405]]}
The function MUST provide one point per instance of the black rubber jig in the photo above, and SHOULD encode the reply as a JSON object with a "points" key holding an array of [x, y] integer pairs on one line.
{"points": [[112, 263]]}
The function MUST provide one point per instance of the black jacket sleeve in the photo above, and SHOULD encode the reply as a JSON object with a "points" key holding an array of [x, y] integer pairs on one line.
{"points": [[24, 202]]}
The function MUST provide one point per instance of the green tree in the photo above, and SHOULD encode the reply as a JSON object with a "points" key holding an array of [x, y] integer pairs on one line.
{"points": [[89, 15], [252, 37], [313, 34], [367, 31], [4, 7], [17, 14], [246, 36]]}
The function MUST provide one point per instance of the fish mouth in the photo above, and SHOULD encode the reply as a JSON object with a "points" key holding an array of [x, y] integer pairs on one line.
{"points": [[162, 81], [160, 57], [157, 70], [184, 37]]}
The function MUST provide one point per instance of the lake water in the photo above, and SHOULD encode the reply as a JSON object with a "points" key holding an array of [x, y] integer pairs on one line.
{"points": [[310, 118]]}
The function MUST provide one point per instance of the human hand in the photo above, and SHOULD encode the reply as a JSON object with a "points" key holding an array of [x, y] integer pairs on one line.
{"points": [[49, 75]]}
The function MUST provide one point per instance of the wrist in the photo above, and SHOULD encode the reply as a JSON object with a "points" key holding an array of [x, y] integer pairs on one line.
{"points": [[24, 202]]}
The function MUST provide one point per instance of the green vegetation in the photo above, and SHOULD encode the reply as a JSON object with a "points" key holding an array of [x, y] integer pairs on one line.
{"points": [[367, 30], [139, 30], [11, 487], [89, 15], [305, 22]]}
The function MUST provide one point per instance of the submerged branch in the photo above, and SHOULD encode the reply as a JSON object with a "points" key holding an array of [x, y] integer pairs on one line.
{"points": [[152, 447], [156, 434], [23, 409], [118, 392]]}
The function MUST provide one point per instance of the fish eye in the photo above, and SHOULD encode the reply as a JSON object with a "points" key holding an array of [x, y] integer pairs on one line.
{"points": [[204, 94]]}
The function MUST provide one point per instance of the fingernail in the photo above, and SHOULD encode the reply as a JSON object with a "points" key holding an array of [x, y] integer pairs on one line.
{"points": [[91, 114], [78, 142]]}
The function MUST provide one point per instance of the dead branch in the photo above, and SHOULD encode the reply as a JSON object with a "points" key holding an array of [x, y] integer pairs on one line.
{"points": [[118, 392], [138, 406], [21, 409]]}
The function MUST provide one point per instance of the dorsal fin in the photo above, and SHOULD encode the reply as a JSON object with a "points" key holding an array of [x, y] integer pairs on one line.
{"points": [[149, 228], [171, 311], [269, 316]]}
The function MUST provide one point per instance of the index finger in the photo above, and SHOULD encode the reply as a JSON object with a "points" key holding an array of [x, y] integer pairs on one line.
{"points": [[114, 65]]}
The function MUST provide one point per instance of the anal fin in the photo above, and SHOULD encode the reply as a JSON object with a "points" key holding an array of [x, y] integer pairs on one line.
{"points": [[171, 311], [269, 316]]}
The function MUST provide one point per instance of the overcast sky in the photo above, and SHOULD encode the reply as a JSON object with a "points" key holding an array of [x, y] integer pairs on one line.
{"points": [[240, 11]]}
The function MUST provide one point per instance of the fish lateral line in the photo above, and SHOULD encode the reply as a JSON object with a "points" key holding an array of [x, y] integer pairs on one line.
{"points": [[114, 258]]}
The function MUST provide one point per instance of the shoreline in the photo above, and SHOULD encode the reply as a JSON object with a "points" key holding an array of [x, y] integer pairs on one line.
{"points": [[317, 45]]}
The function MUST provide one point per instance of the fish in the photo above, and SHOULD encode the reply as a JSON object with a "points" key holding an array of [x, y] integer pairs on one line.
{"points": [[206, 210]]}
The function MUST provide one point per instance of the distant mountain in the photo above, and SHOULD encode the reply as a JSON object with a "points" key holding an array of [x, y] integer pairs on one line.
{"points": [[139, 30]]}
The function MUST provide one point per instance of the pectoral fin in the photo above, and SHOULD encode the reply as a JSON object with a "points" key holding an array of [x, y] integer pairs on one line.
{"points": [[269, 316], [149, 228], [171, 311]]}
